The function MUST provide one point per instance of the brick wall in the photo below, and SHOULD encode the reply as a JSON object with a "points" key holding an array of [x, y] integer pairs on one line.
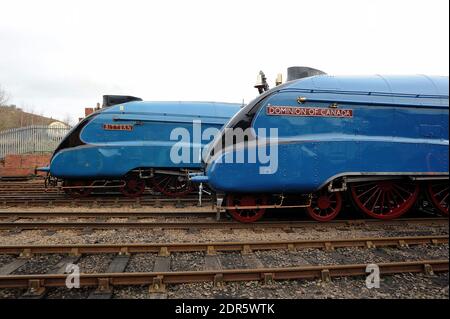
{"points": [[23, 165]]}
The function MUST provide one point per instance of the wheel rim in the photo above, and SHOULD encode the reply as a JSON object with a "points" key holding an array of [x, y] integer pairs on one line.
{"points": [[385, 199], [246, 215], [325, 206], [134, 187], [438, 192], [77, 192], [172, 185]]}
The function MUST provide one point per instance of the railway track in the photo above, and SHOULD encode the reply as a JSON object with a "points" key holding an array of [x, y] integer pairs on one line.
{"points": [[34, 194], [104, 282], [22, 186], [103, 215], [211, 248], [95, 202], [209, 224], [213, 271]]}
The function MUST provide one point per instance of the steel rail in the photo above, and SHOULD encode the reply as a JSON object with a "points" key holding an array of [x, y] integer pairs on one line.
{"points": [[38, 187], [110, 201], [37, 193], [21, 181], [41, 188], [97, 214], [213, 224], [213, 247], [107, 197], [157, 280], [50, 201]]}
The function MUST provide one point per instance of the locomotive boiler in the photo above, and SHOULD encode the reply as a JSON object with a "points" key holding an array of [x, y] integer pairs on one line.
{"points": [[130, 144], [383, 140]]}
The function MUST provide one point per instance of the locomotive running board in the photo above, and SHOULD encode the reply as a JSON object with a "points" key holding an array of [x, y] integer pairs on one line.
{"points": [[353, 177], [275, 206], [164, 171], [429, 178]]}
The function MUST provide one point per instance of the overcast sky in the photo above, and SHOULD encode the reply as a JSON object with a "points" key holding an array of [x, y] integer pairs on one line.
{"points": [[57, 57]]}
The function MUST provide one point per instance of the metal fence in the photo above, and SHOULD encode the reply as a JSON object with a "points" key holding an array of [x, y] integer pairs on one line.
{"points": [[31, 139]]}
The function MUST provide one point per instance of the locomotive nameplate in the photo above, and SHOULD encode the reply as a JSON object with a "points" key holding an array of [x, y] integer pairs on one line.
{"points": [[118, 127], [308, 111]]}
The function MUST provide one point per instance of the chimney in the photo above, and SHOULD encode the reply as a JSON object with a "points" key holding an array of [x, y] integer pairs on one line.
{"points": [[300, 72]]}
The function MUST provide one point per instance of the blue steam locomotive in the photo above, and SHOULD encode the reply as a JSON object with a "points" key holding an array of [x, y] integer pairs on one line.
{"points": [[304, 143], [134, 144]]}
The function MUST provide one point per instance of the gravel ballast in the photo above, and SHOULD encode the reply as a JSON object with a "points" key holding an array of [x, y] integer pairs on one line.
{"points": [[396, 286], [207, 235], [40, 264], [141, 263]]}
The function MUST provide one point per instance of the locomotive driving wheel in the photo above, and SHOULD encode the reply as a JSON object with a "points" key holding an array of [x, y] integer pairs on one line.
{"points": [[246, 215], [172, 185], [385, 199], [78, 191], [134, 187], [438, 192], [325, 206]]}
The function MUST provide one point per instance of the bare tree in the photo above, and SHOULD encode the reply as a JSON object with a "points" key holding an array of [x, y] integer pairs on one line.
{"points": [[3, 97], [67, 119]]}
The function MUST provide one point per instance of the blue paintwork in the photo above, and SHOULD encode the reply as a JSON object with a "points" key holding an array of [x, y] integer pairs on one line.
{"points": [[399, 126], [113, 153]]}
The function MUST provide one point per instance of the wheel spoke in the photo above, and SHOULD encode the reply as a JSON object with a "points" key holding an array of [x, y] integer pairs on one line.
{"points": [[438, 192], [169, 180], [443, 200], [373, 194], [367, 191], [376, 200], [382, 199], [388, 198], [401, 188], [442, 191], [171, 185], [246, 215], [134, 187], [325, 206], [365, 184], [398, 193], [161, 180]]}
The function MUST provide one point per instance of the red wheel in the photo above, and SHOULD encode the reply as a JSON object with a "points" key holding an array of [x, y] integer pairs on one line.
{"points": [[325, 206], [172, 185], [134, 187], [76, 192], [246, 215], [438, 192], [385, 199]]}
